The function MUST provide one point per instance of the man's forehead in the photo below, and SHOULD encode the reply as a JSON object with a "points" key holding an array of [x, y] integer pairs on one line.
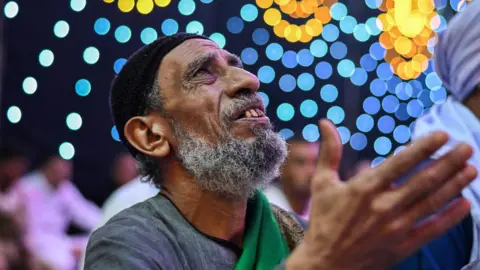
{"points": [[191, 49]]}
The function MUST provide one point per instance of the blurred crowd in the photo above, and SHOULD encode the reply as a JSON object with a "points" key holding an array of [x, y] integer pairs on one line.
{"points": [[37, 207]]}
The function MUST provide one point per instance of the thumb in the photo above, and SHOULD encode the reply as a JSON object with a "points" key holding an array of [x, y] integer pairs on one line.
{"points": [[330, 147]]}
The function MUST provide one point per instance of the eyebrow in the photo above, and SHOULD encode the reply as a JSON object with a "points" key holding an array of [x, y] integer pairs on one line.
{"points": [[204, 60]]}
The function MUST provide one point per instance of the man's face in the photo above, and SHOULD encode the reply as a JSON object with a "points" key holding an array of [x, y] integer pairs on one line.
{"points": [[15, 167], [222, 135], [59, 170], [300, 166]]}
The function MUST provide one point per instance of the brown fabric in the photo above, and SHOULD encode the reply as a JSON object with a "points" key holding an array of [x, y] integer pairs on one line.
{"points": [[290, 227]]}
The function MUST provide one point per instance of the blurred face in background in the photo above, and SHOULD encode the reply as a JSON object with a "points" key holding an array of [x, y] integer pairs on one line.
{"points": [[300, 166], [13, 168], [58, 170], [124, 169]]}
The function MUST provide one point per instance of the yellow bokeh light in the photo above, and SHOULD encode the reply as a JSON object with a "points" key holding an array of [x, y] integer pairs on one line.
{"points": [[307, 8], [425, 6], [323, 14], [293, 33], [126, 5], [401, 71], [162, 3], [145, 6], [289, 8], [272, 16], [279, 28], [385, 40], [419, 63], [282, 2], [299, 12], [403, 45], [264, 3], [313, 27], [408, 69], [108, 1], [305, 36]]}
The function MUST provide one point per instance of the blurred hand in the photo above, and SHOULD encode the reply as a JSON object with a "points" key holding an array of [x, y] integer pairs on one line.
{"points": [[366, 222]]}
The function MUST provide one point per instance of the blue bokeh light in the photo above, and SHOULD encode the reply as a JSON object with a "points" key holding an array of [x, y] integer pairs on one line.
{"points": [[415, 108], [46, 58], [249, 12], [377, 51], [384, 71], [338, 11], [361, 33], [304, 58], [310, 133], [219, 39], [274, 51], [390, 104], [260, 36], [194, 27], [83, 87], [266, 74], [439, 96], [265, 98], [123, 34], [377, 161], [323, 70], [330, 32], [78, 5], [235, 25], [402, 134], [329, 93], [186, 7], [371, 105], [344, 134], [368, 63], [403, 91], [336, 114], [318, 48], [285, 112], [11, 9], [358, 141], [118, 65], [359, 77], [91, 55], [347, 24], [308, 108], [373, 4], [338, 50], [287, 83], [61, 29], [382, 146], [433, 81], [286, 133], [372, 27], [289, 59], [346, 68], [386, 124], [114, 134], [365, 123], [101, 26], [148, 35], [305, 81], [424, 98], [169, 27], [378, 87], [249, 56], [392, 83]]}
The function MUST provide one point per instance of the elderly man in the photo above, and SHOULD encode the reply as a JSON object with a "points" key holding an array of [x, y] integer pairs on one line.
{"points": [[457, 62], [191, 115]]}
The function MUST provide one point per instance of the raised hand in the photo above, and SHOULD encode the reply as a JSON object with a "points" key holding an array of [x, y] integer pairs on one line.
{"points": [[368, 223]]}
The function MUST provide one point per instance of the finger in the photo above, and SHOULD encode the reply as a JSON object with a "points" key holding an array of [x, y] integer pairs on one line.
{"points": [[450, 190], [395, 166], [432, 177], [330, 147], [433, 227]]}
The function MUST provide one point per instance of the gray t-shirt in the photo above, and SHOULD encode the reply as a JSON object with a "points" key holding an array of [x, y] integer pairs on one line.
{"points": [[154, 235]]}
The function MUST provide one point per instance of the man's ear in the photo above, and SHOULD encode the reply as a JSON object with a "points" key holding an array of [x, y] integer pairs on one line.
{"points": [[148, 134]]}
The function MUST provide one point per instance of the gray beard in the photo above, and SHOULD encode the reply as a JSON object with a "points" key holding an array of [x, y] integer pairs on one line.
{"points": [[233, 168]]}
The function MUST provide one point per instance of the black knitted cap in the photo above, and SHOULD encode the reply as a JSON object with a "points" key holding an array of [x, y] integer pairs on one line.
{"points": [[130, 88]]}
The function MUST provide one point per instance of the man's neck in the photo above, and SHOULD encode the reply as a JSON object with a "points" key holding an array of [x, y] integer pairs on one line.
{"points": [[213, 215], [473, 103], [300, 203]]}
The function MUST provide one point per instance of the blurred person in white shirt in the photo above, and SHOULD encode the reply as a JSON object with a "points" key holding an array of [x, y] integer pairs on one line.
{"points": [[292, 190], [52, 203]]}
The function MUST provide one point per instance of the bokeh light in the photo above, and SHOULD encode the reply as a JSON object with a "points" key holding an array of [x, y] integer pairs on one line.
{"points": [[266, 74], [11, 9], [101, 26], [346, 68], [148, 35], [371, 105], [386, 124], [83, 87], [318, 48], [118, 65], [91, 55], [285, 112], [365, 123], [336, 114], [14, 114], [329, 93], [249, 12], [286, 133], [61, 29], [123, 34], [29, 85], [305, 81], [66, 150], [249, 56], [265, 98], [344, 134], [169, 27], [219, 39], [308, 108], [358, 141], [260, 36], [235, 25], [74, 121], [289, 59], [114, 134], [338, 50], [305, 58], [195, 27], [78, 5], [274, 51], [287, 83], [186, 7], [323, 70], [46, 58], [310, 133]]}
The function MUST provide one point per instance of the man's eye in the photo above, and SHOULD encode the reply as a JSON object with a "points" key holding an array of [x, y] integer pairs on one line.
{"points": [[202, 71]]}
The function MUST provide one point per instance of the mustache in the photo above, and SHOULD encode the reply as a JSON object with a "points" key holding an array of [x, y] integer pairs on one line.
{"points": [[238, 104]]}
